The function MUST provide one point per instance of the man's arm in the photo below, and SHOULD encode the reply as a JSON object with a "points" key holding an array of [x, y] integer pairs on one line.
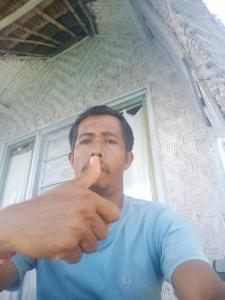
{"points": [[196, 280], [60, 224], [8, 275], [8, 272]]}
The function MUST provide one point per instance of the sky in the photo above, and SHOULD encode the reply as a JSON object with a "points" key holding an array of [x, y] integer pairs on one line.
{"points": [[217, 7]]}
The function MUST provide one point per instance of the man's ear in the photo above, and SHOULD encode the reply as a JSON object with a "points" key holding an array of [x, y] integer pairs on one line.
{"points": [[71, 158], [129, 160]]}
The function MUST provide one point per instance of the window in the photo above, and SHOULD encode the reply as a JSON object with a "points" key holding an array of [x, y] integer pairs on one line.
{"points": [[54, 164], [141, 185], [16, 173], [55, 168]]}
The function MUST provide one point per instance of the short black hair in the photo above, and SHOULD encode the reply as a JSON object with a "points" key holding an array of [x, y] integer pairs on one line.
{"points": [[103, 110]]}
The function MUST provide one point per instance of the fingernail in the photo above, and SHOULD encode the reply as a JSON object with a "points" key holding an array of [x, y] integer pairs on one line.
{"points": [[91, 160]]}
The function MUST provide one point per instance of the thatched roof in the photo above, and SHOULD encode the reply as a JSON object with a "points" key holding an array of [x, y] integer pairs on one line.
{"points": [[43, 28], [200, 38]]}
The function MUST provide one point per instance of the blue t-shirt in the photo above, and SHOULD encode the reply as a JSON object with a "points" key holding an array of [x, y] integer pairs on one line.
{"points": [[142, 250]]}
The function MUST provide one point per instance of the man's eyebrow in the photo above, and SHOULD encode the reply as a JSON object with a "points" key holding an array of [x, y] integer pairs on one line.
{"points": [[105, 133], [86, 134], [108, 133]]}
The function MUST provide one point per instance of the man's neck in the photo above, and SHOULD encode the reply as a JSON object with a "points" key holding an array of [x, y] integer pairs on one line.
{"points": [[115, 196]]}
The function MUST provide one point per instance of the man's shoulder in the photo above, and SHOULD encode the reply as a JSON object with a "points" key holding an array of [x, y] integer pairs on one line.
{"points": [[142, 203], [154, 211], [144, 207]]}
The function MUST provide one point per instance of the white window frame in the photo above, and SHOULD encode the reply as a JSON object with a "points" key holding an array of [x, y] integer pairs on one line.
{"points": [[8, 150], [155, 163]]}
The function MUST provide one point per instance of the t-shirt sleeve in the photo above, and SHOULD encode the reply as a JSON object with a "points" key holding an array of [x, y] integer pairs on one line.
{"points": [[176, 242], [22, 264]]}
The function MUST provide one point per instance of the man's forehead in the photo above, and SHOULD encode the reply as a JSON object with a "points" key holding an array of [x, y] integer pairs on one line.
{"points": [[100, 122]]}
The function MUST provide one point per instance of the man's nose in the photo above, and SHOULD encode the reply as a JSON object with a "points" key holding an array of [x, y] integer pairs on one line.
{"points": [[97, 150], [99, 154]]}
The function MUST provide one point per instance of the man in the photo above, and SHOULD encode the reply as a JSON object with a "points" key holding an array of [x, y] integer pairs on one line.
{"points": [[117, 257]]}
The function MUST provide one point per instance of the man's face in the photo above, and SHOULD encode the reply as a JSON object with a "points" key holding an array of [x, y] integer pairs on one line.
{"points": [[101, 135]]}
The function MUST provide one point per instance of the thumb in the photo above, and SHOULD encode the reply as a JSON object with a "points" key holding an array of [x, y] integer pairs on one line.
{"points": [[91, 174]]}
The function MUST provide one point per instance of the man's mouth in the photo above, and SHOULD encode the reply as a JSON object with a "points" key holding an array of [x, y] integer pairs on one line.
{"points": [[104, 167]]}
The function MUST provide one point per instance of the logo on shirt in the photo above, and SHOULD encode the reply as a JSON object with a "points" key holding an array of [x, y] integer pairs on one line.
{"points": [[125, 281]]}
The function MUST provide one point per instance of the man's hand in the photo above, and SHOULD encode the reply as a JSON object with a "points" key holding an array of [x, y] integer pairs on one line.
{"points": [[62, 223]]}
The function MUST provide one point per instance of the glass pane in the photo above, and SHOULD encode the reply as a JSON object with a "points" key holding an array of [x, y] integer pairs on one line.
{"points": [[15, 185], [58, 145], [57, 170], [136, 178]]}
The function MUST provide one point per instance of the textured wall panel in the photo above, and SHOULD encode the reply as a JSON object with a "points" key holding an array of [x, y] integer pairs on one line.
{"points": [[97, 70], [191, 185]]}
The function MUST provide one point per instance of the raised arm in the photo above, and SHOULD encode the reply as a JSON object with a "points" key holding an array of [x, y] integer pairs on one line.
{"points": [[61, 224]]}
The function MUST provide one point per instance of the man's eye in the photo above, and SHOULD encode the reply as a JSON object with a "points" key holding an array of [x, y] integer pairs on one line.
{"points": [[85, 141], [110, 141]]}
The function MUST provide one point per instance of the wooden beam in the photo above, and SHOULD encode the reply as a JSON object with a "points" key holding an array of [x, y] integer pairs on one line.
{"points": [[26, 19], [7, 31], [51, 20], [36, 33], [19, 13], [7, 52], [76, 16], [24, 41]]}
